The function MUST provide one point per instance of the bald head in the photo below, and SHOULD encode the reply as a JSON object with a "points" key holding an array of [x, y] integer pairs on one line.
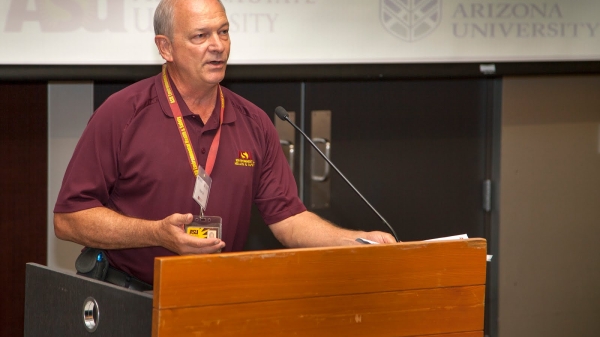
{"points": [[164, 16]]}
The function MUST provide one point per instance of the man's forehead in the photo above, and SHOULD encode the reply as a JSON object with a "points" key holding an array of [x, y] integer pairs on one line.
{"points": [[198, 6], [199, 14]]}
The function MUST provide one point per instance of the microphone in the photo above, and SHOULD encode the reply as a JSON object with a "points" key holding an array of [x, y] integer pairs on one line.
{"points": [[283, 115]]}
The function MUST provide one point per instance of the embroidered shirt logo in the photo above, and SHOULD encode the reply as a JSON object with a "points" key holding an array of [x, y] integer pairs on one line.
{"points": [[244, 159]]}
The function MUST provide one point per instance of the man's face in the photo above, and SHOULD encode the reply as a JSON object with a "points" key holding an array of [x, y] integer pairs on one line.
{"points": [[200, 44]]}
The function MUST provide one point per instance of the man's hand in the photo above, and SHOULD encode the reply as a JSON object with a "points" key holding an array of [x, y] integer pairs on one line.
{"points": [[380, 237], [171, 234]]}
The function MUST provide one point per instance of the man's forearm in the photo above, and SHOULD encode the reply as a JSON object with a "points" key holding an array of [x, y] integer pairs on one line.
{"points": [[309, 230], [103, 228]]}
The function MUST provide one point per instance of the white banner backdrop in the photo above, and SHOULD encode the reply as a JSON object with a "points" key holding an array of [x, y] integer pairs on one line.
{"points": [[92, 32]]}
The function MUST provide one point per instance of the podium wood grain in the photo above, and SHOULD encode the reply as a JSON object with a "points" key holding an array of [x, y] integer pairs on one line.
{"points": [[405, 289]]}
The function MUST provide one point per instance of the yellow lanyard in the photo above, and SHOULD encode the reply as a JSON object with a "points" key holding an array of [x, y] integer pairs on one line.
{"points": [[187, 144]]}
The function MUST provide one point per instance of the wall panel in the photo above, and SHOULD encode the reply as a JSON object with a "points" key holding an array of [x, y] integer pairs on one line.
{"points": [[23, 177]]}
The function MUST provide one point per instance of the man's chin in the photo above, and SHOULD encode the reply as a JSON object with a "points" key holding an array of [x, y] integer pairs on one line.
{"points": [[216, 77]]}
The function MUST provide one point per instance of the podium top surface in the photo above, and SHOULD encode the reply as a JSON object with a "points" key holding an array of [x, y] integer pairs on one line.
{"points": [[217, 279]]}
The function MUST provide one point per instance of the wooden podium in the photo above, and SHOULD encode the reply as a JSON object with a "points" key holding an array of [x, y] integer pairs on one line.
{"points": [[405, 289]]}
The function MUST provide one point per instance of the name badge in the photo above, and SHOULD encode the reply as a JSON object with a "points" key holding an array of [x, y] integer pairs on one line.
{"points": [[202, 188]]}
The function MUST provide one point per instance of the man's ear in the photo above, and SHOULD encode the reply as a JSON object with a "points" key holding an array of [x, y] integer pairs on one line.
{"points": [[164, 47]]}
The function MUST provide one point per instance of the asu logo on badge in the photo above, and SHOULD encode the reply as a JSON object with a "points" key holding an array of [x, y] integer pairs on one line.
{"points": [[198, 232], [244, 159]]}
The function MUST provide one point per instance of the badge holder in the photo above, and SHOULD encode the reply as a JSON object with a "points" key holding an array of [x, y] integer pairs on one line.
{"points": [[204, 227]]}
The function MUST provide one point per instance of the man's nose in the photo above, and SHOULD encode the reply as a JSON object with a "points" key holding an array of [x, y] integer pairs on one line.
{"points": [[216, 43]]}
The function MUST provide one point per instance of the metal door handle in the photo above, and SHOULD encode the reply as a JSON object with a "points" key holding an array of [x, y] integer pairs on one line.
{"points": [[290, 154], [327, 152]]}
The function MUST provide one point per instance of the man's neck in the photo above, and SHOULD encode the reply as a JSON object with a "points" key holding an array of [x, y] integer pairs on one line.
{"points": [[201, 103], [201, 100]]}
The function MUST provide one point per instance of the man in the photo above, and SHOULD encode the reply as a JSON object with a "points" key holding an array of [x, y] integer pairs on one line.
{"points": [[128, 188]]}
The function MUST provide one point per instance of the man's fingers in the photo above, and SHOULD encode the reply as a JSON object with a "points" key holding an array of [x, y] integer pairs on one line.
{"points": [[204, 246], [181, 219], [380, 237], [178, 220]]}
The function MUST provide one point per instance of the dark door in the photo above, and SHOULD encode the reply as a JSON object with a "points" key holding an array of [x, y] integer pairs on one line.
{"points": [[413, 148]]}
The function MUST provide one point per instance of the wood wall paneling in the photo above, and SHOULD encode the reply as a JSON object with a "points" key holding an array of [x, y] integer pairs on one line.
{"points": [[23, 193]]}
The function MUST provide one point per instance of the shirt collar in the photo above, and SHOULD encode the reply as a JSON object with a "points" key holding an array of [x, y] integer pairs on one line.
{"points": [[213, 121]]}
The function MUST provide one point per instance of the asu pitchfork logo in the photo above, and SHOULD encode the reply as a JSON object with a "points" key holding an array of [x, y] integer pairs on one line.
{"points": [[244, 159], [410, 20]]}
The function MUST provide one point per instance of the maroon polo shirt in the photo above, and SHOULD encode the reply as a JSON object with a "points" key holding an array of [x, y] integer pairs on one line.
{"points": [[131, 159]]}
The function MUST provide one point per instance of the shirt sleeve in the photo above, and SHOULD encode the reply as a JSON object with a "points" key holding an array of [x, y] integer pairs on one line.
{"points": [[93, 169], [277, 197]]}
